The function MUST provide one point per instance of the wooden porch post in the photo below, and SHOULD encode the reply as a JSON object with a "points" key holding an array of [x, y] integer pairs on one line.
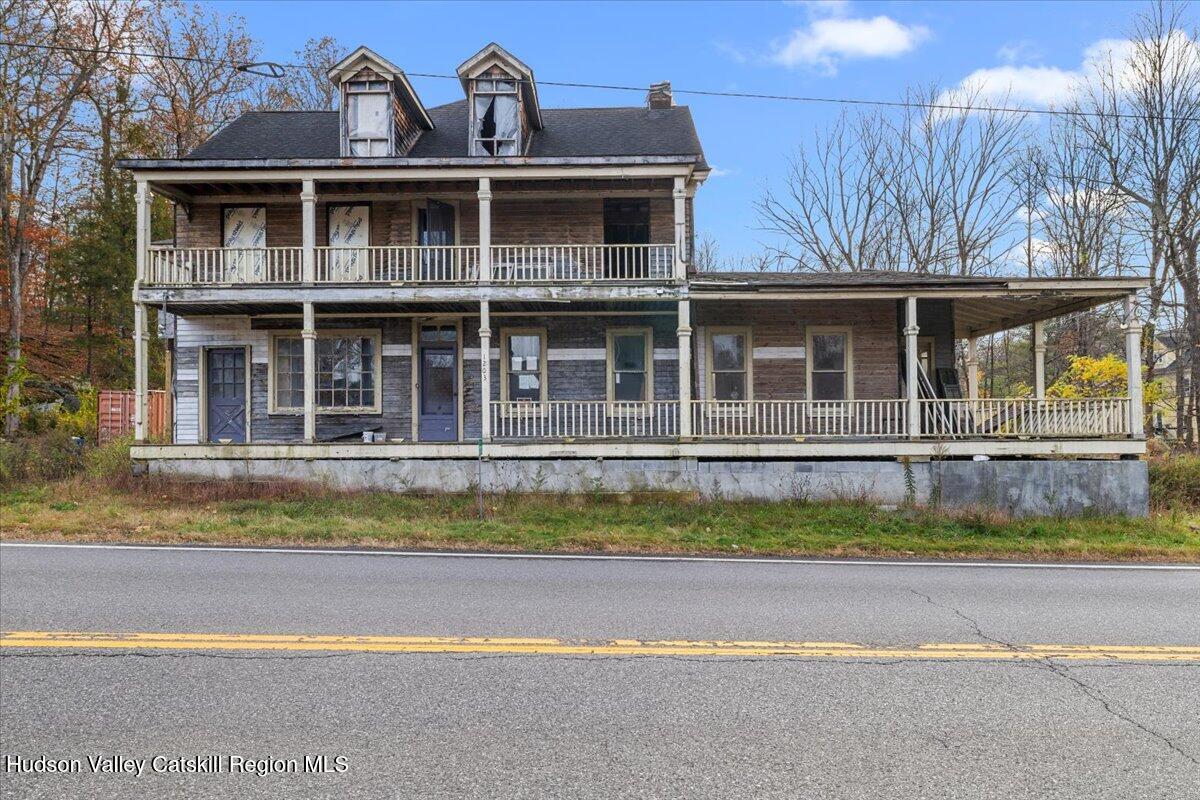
{"points": [[684, 333], [680, 195], [910, 367], [142, 200], [308, 229], [1039, 360], [139, 372], [485, 234], [485, 368], [973, 368], [309, 334], [1133, 358]]}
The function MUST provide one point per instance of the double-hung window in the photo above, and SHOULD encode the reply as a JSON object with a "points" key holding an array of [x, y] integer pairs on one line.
{"points": [[368, 118], [830, 364], [729, 364], [347, 372], [630, 365], [495, 118], [523, 364]]}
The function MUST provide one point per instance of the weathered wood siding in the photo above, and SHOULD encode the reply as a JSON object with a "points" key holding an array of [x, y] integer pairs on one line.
{"points": [[778, 331]]}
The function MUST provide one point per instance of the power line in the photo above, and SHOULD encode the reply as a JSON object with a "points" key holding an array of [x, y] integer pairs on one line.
{"points": [[274, 70]]}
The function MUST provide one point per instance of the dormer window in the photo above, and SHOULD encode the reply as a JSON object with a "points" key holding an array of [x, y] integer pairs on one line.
{"points": [[368, 117], [495, 118]]}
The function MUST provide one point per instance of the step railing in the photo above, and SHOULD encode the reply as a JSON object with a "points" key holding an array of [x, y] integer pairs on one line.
{"points": [[220, 266], [437, 264], [584, 419], [1025, 417], [582, 263], [772, 419]]}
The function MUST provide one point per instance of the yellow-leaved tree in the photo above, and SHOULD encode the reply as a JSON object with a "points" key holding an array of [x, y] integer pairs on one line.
{"points": [[1099, 377]]}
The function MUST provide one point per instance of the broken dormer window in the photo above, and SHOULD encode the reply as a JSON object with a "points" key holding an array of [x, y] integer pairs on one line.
{"points": [[495, 119], [368, 118]]}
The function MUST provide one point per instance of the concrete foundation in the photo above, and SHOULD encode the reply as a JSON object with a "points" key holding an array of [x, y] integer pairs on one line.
{"points": [[1017, 487]]}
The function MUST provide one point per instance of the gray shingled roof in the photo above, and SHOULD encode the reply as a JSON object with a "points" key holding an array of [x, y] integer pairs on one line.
{"points": [[880, 277], [568, 133]]}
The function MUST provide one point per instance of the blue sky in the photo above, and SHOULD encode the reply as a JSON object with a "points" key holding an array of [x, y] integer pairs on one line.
{"points": [[869, 50]]}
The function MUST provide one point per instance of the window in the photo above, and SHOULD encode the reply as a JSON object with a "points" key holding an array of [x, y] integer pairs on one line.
{"points": [[630, 365], [729, 359], [495, 118], [523, 365], [368, 118], [830, 364], [347, 372]]}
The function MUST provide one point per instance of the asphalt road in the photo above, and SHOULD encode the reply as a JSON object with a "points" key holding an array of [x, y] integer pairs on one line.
{"points": [[508, 725]]}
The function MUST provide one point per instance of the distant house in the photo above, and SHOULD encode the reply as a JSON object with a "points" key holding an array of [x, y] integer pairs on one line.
{"points": [[382, 294]]}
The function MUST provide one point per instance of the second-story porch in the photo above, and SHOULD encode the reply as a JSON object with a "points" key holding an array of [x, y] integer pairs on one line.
{"points": [[261, 232]]}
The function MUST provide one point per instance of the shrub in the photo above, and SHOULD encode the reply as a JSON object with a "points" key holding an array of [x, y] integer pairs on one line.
{"points": [[49, 456], [1175, 482], [109, 462]]}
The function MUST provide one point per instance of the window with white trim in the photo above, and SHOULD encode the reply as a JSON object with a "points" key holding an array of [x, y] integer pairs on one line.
{"points": [[523, 364], [729, 364], [830, 364], [495, 118], [347, 372], [630, 365], [368, 117]]}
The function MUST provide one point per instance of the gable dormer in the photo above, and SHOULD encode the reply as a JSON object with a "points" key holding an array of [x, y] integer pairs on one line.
{"points": [[502, 97], [380, 113]]}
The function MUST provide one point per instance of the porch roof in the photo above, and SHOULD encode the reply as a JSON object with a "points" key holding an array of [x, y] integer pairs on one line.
{"points": [[982, 304]]}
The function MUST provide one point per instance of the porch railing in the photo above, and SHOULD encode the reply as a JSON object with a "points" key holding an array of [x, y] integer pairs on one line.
{"points": [[584, 419], [765, 419], [1025, 417], [553, 263], [172, 266], [393, 264]]}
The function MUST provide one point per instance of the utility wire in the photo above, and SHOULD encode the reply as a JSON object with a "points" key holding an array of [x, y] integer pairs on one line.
{"points": [[274, 69]]}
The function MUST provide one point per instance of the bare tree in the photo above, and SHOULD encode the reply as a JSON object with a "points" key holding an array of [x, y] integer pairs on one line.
{"points": [[42, 86], [190, 81], [1144, 122], [306, 86], [831, 216]]}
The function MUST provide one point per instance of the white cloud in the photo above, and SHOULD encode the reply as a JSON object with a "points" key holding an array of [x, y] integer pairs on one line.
{"points": [[717, 172], [1018, 52], [829, 40], [1040, 86]]}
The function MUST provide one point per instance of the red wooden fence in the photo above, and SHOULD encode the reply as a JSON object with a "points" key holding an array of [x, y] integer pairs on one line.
{"points": [[115, 414]]}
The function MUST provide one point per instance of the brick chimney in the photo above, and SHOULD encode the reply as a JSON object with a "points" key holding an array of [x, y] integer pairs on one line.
{"points": [[659, 95]]}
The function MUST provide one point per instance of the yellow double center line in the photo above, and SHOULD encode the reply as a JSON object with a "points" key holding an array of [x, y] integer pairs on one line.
{"points": [[506, 645]]}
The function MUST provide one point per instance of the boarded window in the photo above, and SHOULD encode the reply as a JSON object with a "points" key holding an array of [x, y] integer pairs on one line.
{"points": [[368, 118]]}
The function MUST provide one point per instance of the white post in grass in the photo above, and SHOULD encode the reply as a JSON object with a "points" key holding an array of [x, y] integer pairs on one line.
{"points": [[308, 229], [680, 196], [485, 232], [684, 345], [309, 335], [139, 372], [1133, 358], [910, 367], [973, 368], [485, 368], [1039, 360]]}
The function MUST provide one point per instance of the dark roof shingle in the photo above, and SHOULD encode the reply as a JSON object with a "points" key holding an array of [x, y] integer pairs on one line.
{"points": [[568, 133]]}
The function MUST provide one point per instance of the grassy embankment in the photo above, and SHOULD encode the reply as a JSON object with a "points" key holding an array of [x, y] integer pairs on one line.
{"points": [[99, 506]]}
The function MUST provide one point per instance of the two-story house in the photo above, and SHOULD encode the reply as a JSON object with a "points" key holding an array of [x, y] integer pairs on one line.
{"points": [[388, 295]]}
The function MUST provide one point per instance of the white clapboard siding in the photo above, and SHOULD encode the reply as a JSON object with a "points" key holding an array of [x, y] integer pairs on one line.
{"points": [[196, 332]]}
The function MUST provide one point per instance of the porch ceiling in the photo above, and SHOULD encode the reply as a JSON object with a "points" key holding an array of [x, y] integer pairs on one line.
{"points": [[980, 316]]}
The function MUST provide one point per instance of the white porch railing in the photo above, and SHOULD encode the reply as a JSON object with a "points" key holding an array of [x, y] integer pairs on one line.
{"points": [[172, 266], [584, 419], [1025, 416], [392, 264], [765, 419], [554, 263]]}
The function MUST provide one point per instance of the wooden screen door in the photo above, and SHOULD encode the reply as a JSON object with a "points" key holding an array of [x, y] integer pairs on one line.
{"points": [[435, 229], [225, 368]]}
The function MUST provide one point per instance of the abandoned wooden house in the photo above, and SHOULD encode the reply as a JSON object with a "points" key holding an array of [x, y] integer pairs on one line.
{"points": [[397, 296]]}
